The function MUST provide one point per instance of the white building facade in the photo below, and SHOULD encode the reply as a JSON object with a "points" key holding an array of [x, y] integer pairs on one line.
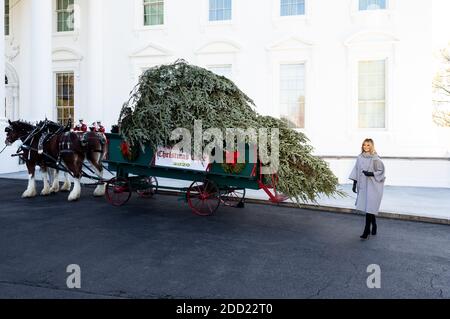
{"points": [[339, 71]]}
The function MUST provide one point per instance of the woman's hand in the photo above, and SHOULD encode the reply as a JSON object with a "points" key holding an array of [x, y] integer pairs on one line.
{"points": [[368, 173]]}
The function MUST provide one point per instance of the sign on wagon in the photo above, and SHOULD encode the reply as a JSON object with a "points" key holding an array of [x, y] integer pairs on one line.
{"points": [[168, 157]]}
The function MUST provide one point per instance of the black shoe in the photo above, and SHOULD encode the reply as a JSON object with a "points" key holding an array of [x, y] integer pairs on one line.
{"points": [[366, 232], [374, 230], [365, 236]]}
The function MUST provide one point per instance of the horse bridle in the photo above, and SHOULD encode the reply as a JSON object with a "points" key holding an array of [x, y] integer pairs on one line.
{"points": [[9, 129]]}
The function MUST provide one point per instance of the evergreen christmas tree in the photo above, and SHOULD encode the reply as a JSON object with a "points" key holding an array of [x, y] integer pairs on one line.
{"points": [[173, 96]]}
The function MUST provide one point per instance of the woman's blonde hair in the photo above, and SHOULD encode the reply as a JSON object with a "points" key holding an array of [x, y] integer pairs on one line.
{"points": [[371, 142]]}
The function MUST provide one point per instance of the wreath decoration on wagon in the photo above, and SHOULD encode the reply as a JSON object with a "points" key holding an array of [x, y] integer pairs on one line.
{"points": [[129, 152], [231, 165]]}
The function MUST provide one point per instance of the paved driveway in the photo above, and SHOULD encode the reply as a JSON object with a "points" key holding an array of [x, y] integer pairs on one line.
{"points": [[155, 248]]}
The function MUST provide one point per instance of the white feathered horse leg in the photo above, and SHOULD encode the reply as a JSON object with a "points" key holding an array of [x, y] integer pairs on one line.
{"points": [[101, 188], [67, 183], [75, 194], [46, 190], [98, 169], [31, 189], [55, 184]]}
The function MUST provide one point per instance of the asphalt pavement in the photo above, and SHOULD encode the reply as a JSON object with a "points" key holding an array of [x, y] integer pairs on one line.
{"points": [[156, 248]]}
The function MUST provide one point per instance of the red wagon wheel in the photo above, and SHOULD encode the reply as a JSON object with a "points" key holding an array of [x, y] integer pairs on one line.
{"points": [[203, 198], [149, 188], [118, 191], [233, 197]]}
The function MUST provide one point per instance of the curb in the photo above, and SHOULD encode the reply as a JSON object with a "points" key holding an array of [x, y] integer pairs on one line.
{"points": [[336, 210], [332, 209]]}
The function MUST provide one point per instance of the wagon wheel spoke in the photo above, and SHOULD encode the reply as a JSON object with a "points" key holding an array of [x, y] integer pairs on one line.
{"points": [[118, 191], [149, 187], [233, 197], [203, 198], [198, 201], [209, 207], [198, 190]]}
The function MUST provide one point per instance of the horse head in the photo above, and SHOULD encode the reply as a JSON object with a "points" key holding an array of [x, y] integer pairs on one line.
{"points": [[17, 130]]}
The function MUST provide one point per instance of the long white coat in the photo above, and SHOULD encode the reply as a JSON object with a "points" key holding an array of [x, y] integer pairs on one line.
{"points": [[370, 188]]}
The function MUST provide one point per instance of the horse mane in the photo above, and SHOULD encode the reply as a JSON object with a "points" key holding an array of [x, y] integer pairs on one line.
{"points": [[22, 124]]}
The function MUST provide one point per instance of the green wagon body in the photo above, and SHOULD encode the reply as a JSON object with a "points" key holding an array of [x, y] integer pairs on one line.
{"points": [[143, 166], [136, 171]]}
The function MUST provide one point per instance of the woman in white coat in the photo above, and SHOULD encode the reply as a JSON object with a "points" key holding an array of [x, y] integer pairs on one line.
{"points": [[368, 182]]}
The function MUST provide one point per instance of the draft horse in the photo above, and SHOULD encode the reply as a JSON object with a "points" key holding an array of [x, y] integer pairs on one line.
{"points": [[52, 146]]}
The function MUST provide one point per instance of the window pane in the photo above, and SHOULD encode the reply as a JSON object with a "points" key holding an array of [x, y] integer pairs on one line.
{"points": [[147, 9], [223, 70], [292, 7], [65, 96], [292, 94], [220, 10], [220, 15], [153, 12], [6, 17], [372, 93], [372, 4], [372, 115], [64, 17], [227, 15], [212, 15], [212, 5]]}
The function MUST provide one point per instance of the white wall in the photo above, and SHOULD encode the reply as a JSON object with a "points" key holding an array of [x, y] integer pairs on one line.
{"points": [[330, 39]]}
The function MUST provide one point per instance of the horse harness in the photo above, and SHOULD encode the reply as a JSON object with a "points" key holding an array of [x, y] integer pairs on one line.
{"points": [[49, 130]]}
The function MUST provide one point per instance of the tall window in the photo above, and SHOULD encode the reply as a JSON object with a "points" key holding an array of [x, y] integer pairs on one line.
{"points": [[372, 4], [224, 70], [65, 100], [372, 94], [64, 13], [219, 10], [292, 94], [292, 7], [153, 12], [6, 17]]}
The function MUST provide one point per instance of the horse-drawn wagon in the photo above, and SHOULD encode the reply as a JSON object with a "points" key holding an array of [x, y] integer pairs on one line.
{"points": [[217, 183]]}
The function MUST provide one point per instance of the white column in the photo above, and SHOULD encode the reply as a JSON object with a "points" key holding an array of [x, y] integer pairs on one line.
{"points": [[2, 60], [41, 60], [95, 62]]}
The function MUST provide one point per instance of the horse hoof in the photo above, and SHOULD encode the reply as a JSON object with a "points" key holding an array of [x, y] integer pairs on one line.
{"points": [[65, 188], [99, 193], [27, 194], [45, 192], [73, 198], [54, 190]]}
